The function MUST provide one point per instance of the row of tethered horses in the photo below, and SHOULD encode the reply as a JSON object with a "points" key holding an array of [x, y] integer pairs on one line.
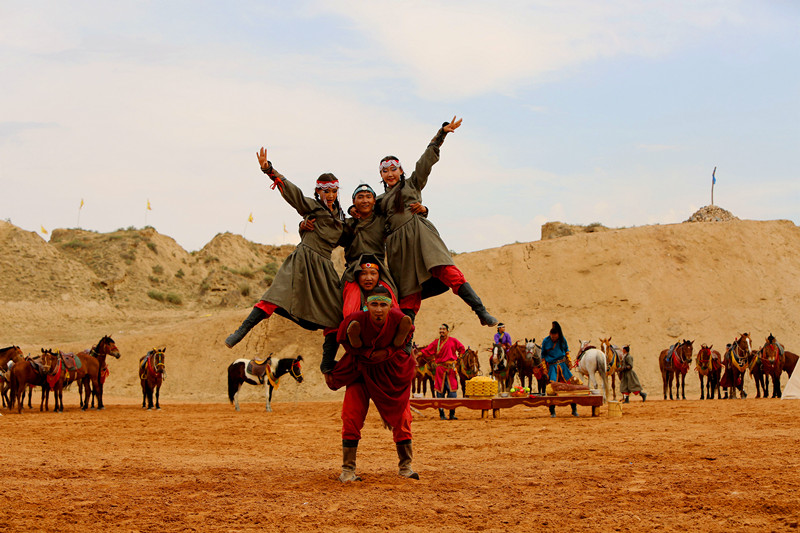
{"points": [[54, 370], [717, 372]]}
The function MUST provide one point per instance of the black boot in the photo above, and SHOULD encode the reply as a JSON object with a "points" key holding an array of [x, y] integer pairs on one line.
{"points": [[441, 414], [627, 399], [644, 396], [409, 313], [453, 414], [552, 409], [466, 293], [405, 454], [329, 349], [255, 316], [574, 410], [349, 449]]}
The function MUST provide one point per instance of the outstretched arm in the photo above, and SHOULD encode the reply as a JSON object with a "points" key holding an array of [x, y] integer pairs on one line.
{"points": [[419, 178], [290, 192]]}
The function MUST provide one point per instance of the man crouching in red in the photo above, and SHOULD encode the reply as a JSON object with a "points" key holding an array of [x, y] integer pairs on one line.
{"points": [[376, 365]]}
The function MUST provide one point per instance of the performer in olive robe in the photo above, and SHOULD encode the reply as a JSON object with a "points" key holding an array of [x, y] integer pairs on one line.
{"points": [[306, 288], [419, 260], [628, 380]]}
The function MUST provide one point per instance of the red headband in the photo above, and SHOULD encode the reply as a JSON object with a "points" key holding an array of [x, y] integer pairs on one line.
{"points": [[369, 265], [328, 184]]}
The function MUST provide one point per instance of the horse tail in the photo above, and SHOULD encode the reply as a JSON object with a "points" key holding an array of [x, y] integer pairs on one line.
{"points": [[233, 387]]}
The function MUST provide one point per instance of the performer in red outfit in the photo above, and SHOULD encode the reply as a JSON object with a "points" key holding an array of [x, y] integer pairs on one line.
{"points": [[445, 350], [378, 366]]}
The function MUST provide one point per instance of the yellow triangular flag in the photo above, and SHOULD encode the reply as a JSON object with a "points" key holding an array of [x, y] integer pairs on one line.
{"points": [[250, 218], [44, 230], [284, 229], [81, 207], [148, 205]]}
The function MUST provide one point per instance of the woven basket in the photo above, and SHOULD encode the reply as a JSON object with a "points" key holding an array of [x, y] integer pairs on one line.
{"points": [[480, 387]]}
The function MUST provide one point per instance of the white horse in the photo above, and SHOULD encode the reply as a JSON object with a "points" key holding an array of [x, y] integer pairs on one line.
{"points": [[591, 362]]}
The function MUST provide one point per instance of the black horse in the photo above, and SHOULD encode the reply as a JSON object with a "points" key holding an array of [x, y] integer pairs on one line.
{"points": [[267, 372]]}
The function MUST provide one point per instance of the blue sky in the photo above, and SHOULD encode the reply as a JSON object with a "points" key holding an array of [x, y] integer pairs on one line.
{"points": [[611, 112]]}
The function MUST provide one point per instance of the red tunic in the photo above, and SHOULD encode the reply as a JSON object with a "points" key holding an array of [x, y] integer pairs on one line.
{"points": [[445, 355]]}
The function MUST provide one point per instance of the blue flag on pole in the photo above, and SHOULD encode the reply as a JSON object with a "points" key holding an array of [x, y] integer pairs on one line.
{"points": [[714, 177]]}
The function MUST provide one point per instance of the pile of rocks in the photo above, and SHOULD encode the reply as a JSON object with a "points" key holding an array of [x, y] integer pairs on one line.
{"points": [[711, 213]]}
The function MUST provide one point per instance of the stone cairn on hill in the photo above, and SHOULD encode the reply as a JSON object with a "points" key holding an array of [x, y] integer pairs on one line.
{"points": [[711, 213]]}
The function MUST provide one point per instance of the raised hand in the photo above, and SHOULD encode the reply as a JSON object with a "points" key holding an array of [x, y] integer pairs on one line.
{"points": [[453, 126], [262, 157]]}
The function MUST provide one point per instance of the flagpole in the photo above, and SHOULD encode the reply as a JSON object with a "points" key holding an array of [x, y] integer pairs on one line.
{"points": [[713, 181]]}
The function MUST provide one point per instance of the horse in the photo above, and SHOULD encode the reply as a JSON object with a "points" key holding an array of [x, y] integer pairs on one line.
{"points": [[735, 360], [265, 372], [9, 356], [95, 371], [613, 355], [789, 362], [29, 371], [674, 363], [591, 361], [771, 358], [468, 367], [498, 363], [527, 362], [62, 371], [151, 374], [426, 370], [708, 366]]}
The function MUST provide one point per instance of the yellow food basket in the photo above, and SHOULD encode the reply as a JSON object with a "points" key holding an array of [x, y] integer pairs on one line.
{"points": [[480, 386]]}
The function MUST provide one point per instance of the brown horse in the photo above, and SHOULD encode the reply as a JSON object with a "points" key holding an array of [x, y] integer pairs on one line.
{"points": [[771, 357], [737, 356], [62, 371], [613, 361], [468, 367], [95, 371], [28, 372], [709, 367], [8, 358], [674, 363], [151, 374], [426, 370], [526, 361], [789, 362], [498, 363]]}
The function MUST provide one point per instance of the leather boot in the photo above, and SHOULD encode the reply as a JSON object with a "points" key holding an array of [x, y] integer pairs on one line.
{"points": [[354, 334], [644, 396], [627, 399], [441, 415], [405, 454], [466, 293], [552, 409], [574, 410], [255, 316], [349, 449], [410, 314], [329, 349]]}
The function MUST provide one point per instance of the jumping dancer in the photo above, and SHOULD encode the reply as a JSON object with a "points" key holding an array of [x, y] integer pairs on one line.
{"points": [[418, 258], [306, 288]]}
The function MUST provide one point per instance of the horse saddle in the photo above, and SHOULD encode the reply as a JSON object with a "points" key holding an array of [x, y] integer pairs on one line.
{"points": [[583, 351], [258, 368], [668, 358], [70, 361]]}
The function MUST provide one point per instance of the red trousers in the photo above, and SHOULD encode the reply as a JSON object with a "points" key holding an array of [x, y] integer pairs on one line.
{"points": [[450, 275]]}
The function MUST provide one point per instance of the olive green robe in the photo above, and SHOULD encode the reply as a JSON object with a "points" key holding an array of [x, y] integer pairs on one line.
{"points": [[307, 288], [413, 245], [628, 380]]}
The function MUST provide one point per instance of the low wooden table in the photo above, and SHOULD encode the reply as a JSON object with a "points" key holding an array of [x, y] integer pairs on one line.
{"points": [[496, 403]]}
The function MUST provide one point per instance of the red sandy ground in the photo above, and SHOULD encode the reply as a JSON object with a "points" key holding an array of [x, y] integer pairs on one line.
{"points": [[664, 466]]}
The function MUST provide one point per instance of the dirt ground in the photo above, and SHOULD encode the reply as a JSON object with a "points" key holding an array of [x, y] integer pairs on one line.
{"points": [[665, 466]]}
